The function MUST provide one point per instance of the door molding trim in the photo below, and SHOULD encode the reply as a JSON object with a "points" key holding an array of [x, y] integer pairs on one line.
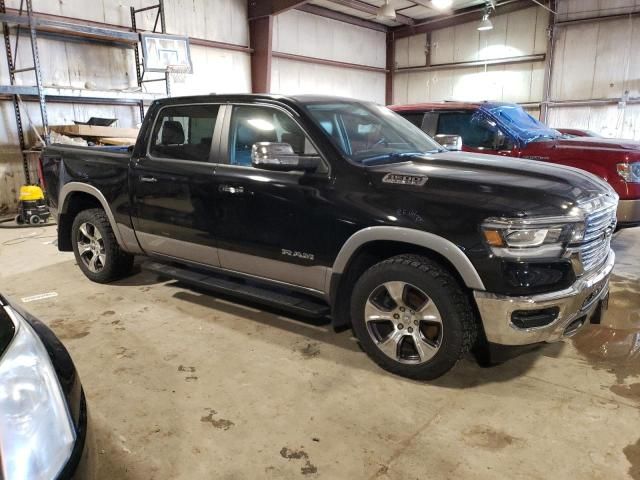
{"points": [[201, 254], [235, 273]]}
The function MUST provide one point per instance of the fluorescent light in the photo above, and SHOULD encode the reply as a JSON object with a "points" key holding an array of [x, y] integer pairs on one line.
{"points": [[261, 124], [485, 23], [386, 12], [442, 4]]}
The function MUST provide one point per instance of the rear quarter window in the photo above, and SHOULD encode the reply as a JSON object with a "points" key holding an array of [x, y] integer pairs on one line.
{"points": [[184, 132]]}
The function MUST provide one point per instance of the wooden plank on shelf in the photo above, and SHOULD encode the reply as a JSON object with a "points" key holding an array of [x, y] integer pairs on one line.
{"points": [[95, 131], [117, 141]]}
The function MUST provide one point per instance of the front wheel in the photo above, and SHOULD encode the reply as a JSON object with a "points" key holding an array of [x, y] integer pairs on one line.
{"points": [[412, 317], [96, 249]]}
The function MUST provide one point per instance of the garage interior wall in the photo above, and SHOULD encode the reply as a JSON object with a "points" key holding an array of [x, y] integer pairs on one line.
{"points": [[596, 67], [517, 34], [305, 34], [72, 65]]}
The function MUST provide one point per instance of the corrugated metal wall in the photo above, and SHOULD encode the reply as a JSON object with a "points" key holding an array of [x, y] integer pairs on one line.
{"points": [[304, 34], [68, 64], [515, 34], [597, 60]]}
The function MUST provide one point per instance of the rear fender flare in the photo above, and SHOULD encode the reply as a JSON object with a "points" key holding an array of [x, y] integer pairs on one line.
{"points": [[72, 187]]}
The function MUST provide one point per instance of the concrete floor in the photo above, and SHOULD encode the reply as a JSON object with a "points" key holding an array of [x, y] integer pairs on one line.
{"points": [[185, 385]]}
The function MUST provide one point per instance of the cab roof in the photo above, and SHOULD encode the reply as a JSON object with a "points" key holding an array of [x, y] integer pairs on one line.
{"points": [[446, 105], [250, 98]]}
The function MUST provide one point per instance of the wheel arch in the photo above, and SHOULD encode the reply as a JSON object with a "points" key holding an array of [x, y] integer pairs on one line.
{"points": [[75, 197], [416, 238], [371, 245]]}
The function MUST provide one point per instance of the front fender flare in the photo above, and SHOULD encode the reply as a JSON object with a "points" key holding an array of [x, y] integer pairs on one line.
{"points": [[430, 241]]}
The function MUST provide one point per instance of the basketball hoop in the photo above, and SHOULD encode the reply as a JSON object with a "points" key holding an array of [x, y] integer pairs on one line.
{"points": [[178, 73]]}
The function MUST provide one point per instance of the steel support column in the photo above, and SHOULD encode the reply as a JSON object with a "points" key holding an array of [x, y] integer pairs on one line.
{"points": [[548, 64], [391, 67], [261, 35]]}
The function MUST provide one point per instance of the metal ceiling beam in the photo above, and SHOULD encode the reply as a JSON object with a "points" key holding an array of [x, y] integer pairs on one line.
{"points": [[342, 17], [264, 8], [422, 3], [371, 9], [261, 41], [464, 15]]}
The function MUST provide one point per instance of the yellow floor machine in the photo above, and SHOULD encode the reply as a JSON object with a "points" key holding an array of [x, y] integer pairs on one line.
{"points": [[32, 208]]}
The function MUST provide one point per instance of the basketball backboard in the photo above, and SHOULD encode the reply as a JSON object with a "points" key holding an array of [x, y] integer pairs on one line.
{"points": [[161, 51]]}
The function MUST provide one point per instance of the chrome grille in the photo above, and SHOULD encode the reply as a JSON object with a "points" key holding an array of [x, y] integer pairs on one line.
{"points": [[597, 238]]}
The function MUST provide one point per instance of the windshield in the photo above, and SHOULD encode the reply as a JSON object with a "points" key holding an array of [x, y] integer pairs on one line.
{"points": [[368, 134], [519, 123]]}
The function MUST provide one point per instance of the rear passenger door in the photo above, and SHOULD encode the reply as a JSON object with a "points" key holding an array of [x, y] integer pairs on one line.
{"points": [[172, 184]]}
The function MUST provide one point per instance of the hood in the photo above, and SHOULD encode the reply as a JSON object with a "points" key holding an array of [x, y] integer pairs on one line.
{"points": [[504, 186], [592, 143]]}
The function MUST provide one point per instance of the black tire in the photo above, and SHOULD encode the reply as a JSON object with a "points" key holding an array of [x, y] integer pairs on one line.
{"points": [[34, 220], [450, 337], [19, 220], [117, 263]]}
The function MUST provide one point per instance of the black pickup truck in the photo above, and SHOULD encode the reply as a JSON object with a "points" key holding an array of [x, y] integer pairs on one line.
{"points": [[328, 206]]}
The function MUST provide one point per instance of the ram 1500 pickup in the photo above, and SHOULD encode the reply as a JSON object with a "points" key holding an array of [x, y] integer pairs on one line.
{"points": [[340, 208], [506, 129]]}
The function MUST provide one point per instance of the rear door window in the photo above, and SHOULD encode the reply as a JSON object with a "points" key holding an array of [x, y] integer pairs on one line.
{"points": [[415, 118], [184, 132]]}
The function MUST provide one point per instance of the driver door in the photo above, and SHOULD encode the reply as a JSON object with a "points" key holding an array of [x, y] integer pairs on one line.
{"points": [[271, 224]]}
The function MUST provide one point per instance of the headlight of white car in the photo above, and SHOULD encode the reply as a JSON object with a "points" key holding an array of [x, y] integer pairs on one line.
{"points": [[36, 430]]}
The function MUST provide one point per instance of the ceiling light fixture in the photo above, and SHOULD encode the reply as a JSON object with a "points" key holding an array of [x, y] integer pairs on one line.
{"points": [[386, 12], [486, 23], [442, 4]]}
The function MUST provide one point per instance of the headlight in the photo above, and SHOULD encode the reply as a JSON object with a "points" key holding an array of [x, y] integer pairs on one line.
{"points": [[629, 171], [36, 430], [517, 238]]}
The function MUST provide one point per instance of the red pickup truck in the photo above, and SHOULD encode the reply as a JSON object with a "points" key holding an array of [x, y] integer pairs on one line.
{"points": [[506, 129]]}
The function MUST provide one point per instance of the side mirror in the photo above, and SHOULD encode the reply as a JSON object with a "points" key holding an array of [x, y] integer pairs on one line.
{"points": [[450, 142], [281, 157]]}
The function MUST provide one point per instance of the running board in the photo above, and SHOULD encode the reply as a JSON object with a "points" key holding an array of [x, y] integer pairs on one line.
{"points": [[241, 288]]}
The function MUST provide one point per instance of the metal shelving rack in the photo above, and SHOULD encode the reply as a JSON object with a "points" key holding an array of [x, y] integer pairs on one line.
{"points": [[139, 65], [12, 56], [25, 20]]}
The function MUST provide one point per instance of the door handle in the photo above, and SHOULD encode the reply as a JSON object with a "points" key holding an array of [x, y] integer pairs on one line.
{"points": [[148, 179], [232, 190]]}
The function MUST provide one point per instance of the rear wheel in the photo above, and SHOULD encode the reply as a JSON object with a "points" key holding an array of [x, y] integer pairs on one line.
{"points": [[412, 317], [96, 249]]}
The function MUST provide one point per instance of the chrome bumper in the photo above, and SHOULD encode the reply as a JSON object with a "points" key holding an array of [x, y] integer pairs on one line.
{"points": [[576, 302], [628, 211]]}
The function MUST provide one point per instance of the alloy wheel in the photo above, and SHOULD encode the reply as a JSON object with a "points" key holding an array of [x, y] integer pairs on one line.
{"points": [[403, 322], [91, 247]]}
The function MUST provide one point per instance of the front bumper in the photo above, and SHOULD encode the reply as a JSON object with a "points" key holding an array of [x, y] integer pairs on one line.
{"points": [[580, 301], [628, 212]]}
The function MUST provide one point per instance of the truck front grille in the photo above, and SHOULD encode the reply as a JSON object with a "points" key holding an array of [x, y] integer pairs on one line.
{"points": [[597, 238]]}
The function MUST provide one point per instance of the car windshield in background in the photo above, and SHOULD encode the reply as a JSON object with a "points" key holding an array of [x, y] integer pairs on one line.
{"points": [[519, 123], [370, 134]]}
